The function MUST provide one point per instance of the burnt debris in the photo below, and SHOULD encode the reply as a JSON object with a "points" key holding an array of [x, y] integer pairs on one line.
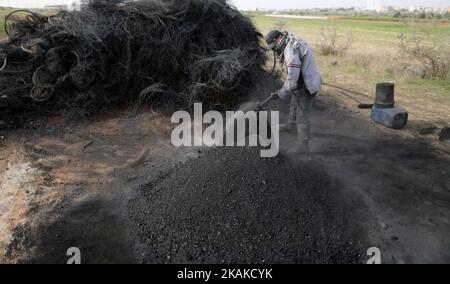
{"points": [[164, 53]]}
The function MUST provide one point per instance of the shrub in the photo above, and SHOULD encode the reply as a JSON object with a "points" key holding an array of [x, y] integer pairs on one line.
{"points": [[431, 52], [281, 25], [332, 42]]}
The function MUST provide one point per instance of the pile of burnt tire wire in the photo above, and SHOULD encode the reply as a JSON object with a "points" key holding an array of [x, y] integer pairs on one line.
{"points": [[163, 53]]}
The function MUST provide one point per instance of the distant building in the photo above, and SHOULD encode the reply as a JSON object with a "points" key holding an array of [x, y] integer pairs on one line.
{"points": [[374, 5], [56, 7]]}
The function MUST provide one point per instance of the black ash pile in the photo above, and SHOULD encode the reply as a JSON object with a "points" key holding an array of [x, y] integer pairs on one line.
{"points": [[229, 206], [166, 53]]}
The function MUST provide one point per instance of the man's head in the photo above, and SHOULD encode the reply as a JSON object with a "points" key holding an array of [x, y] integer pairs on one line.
{"points": [[276, 41]]}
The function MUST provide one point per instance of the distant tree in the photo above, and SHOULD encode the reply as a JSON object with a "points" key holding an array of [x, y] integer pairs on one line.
{"points": [[281, 24], [422, 15], [333, 42], [397, 15]]}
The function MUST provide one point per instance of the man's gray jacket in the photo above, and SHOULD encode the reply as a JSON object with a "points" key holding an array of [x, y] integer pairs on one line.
{"points": [[300, 61]]}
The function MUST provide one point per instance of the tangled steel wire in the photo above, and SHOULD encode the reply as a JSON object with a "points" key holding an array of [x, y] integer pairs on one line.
{"points": [[168, 53]]}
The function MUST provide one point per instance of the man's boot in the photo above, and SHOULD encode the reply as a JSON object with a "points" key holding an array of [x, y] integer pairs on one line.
{"points": [[301, 151], [288, 127]]}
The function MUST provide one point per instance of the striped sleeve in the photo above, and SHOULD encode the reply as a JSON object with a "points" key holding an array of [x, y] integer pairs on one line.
{"points": [[294, 66]]}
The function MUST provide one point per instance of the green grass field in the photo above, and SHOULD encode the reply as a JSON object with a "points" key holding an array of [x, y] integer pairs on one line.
{"points": [[2, 23], [3, 13], [362, 28], [2, 30]]}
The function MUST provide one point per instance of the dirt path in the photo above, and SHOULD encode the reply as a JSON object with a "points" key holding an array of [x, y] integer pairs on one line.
{"points": [[120, 192], [68, 186], [399, 180]]}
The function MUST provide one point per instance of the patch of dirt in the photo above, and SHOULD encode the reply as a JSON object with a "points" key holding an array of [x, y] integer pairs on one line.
{"points": [[397, 179], [18, 183], [64, 185]]}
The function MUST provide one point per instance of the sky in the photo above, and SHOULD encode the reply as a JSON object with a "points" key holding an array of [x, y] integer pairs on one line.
{"points": [[270, 4]]}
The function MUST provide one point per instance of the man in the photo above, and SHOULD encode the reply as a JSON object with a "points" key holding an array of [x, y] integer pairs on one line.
{"points": [[302, 84]]}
